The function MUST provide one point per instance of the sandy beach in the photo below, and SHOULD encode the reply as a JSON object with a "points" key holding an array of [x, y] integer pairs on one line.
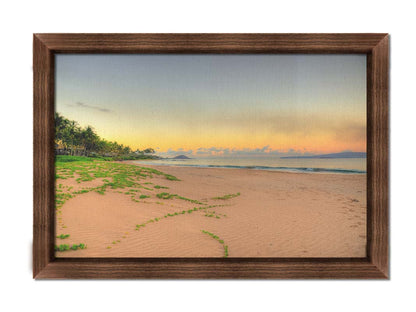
{"points": [[255, 213]]}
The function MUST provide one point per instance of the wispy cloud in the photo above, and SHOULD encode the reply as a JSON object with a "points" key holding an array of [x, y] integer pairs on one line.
{"points": [[81, 104], [233, 152], [341, 126]]}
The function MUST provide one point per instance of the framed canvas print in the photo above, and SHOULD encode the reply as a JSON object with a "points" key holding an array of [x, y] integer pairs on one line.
{"points": [[210, 156]]}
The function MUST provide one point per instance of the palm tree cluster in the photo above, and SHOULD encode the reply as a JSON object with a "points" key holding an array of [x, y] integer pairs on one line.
{"points": [[71, 139]]}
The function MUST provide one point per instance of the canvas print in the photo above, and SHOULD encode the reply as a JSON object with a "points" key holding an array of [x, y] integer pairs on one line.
{"points": [[210, 155]]}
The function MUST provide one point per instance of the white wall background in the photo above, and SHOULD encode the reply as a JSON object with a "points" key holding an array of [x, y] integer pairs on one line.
{"points": [[19, 19]]}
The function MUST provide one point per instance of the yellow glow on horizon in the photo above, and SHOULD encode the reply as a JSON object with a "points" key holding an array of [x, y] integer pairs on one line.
{"points": [[314, 143]]}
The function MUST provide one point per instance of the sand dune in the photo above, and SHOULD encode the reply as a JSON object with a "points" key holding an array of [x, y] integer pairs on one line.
{"points": [[277, 214]]}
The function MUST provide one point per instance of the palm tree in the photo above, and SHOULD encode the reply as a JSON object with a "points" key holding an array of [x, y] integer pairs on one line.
{"points": [[79, 140], [149, 151], [89, 139]]}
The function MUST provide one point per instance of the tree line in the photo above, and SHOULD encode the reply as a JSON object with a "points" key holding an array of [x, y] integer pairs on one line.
{"points": [[71, 139]]}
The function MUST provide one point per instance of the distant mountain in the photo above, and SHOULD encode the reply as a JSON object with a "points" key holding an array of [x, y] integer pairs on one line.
{"points": [[334, 155], [181, 157]]}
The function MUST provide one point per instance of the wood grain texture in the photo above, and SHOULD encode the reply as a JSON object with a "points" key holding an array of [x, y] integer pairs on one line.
{"points": [[374, 266], [211, 268], [378, 147], [211, 43], [43, 156]]}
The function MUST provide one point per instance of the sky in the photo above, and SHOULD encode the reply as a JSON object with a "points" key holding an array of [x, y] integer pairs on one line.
{"points": [[218, 105]]}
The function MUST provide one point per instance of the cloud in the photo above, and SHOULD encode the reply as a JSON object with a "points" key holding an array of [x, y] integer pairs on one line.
{"points": [[81, 104], [343, 126], [172, 152], [292, 123], [213, 151], [351, 132]]}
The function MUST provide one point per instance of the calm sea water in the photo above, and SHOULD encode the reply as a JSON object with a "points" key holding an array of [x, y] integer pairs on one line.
{"points": [[334, 165]]}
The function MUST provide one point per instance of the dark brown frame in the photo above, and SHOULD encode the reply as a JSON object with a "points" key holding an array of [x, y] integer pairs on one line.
{"points": [[374, 266]]}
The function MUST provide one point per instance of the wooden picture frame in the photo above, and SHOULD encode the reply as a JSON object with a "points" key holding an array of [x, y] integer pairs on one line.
{"points": [[374, 266]]}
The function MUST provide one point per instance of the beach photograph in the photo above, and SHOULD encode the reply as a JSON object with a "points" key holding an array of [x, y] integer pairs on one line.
{"points": [[218, 156]]}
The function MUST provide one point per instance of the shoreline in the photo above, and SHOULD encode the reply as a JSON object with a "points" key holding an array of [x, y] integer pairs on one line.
{"points": [[255, 213], [261, 168]]}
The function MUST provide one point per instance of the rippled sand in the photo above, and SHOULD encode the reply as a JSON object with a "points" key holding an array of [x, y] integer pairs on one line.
{"points": [[277, 214]]}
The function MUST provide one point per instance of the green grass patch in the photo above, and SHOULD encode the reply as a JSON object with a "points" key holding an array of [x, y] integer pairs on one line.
{"points": [[227, 196], [225, 251], [160, 187], [66, 247], [177, 213], [218, 240], [171, 178], [213, 214], [67, 158], [165, 195], [117, 176], [63, 236]]}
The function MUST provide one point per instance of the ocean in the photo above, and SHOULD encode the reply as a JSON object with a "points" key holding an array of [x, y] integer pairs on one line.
{"points": [[315, 165]]}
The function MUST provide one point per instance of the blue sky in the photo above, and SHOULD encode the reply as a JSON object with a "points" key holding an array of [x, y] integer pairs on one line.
{"points": [[301, 103]]}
